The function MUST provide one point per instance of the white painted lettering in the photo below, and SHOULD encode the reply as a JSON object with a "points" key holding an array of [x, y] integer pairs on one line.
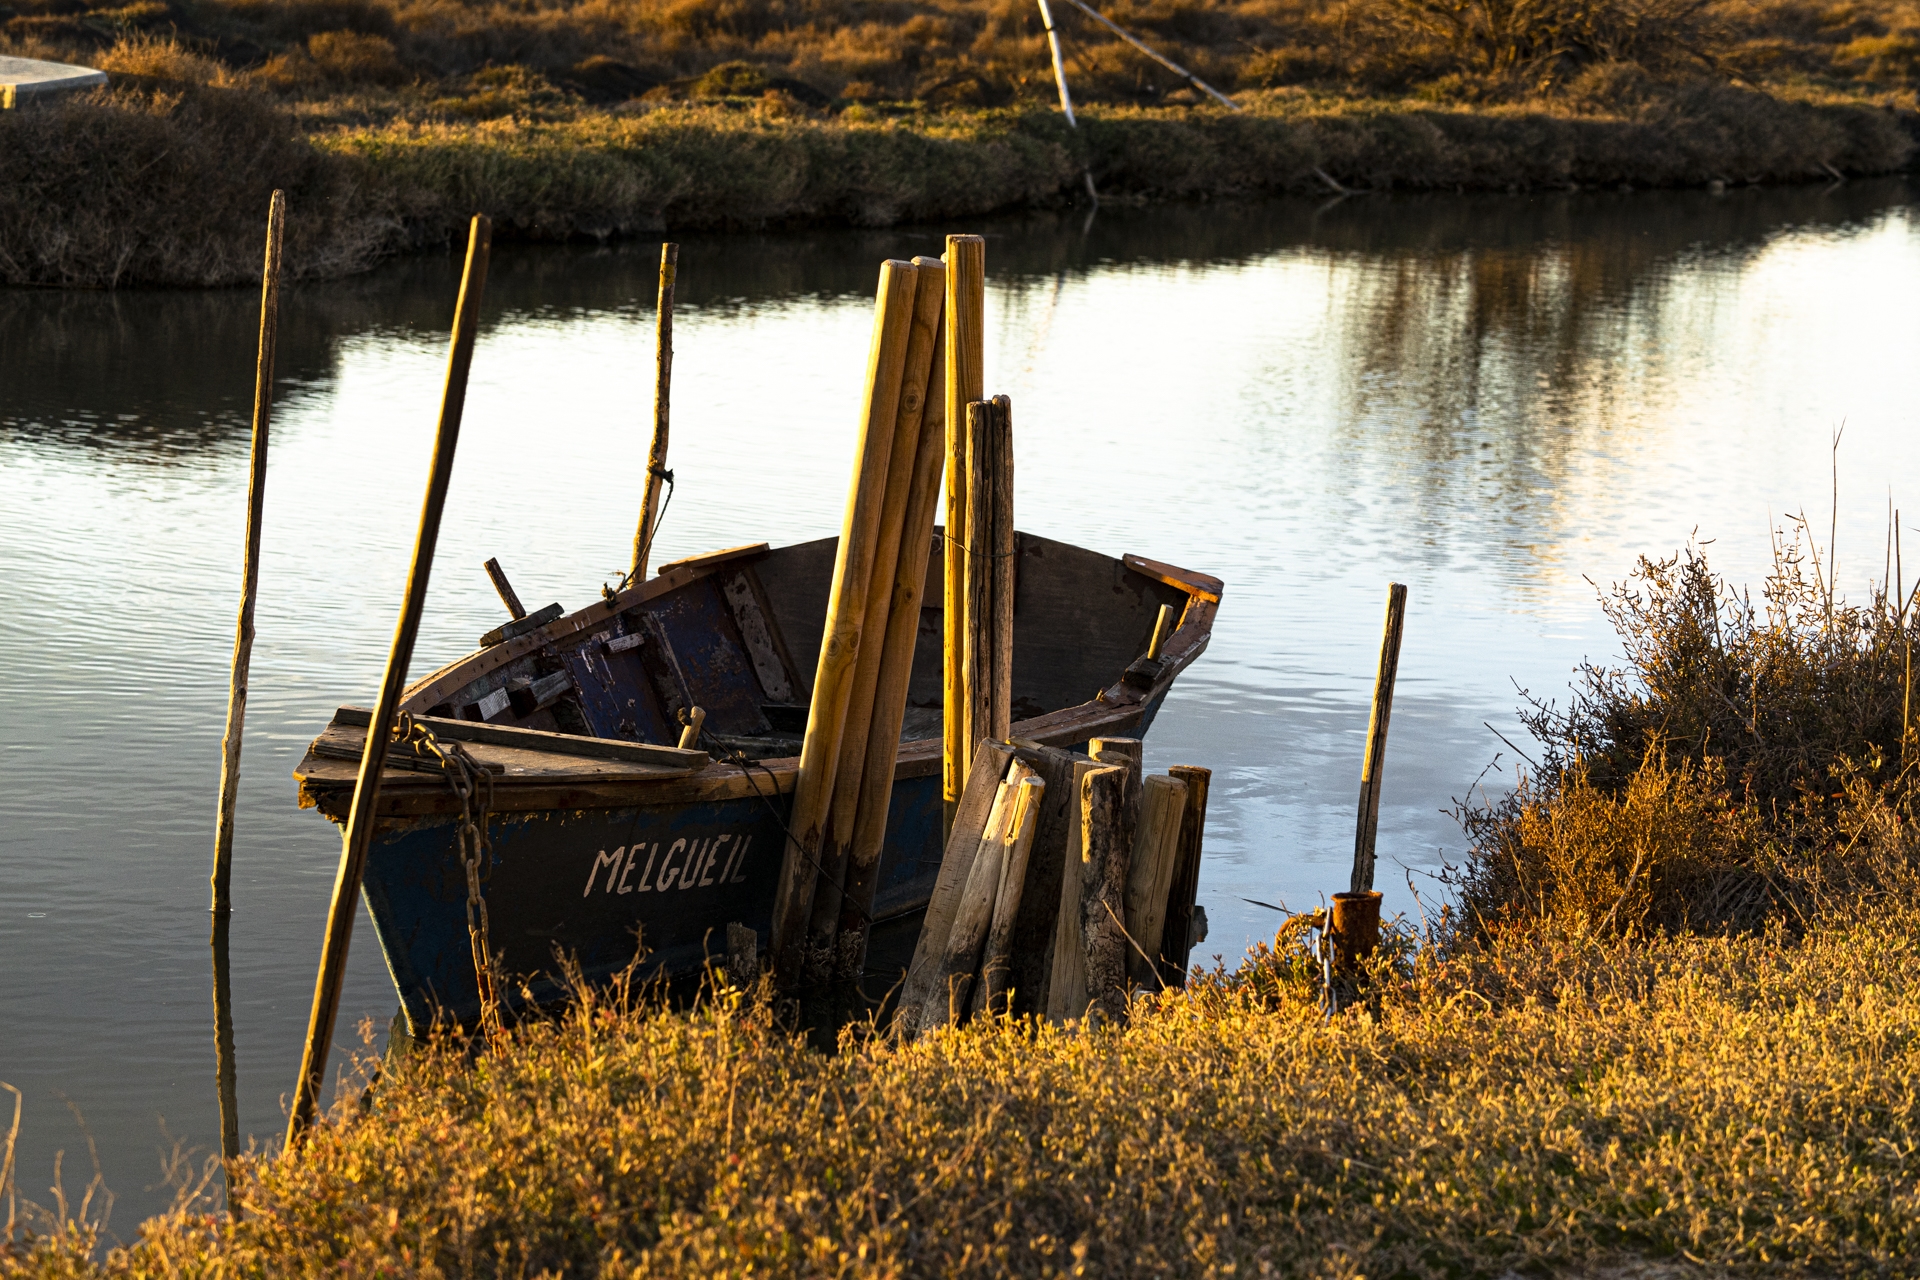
{"points": [[646, 880], [626, 871], [740, 860], [609, 860], [696, 857], [706, 872], [667, 869]]}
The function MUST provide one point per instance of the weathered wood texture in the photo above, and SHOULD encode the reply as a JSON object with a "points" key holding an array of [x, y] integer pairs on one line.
{"points": [[903, 620], [250, 558], [1067, 980], [964, 354], [990, 763], [1128, 753], [508, 596], [996, 965], [1367, 825], [1156, 847], [1004, 570], [662, 402], [1031, 964], [846, 613], [1106, 833], [988, 562], [360, 819], [1176, 938], [823, 958], [951, 994]]}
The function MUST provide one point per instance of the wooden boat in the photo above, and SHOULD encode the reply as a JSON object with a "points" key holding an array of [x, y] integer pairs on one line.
{"points": [[599, 837]]}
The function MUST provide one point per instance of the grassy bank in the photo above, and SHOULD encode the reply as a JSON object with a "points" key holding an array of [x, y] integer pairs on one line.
{"points": [[1674, 1023], [1558, 1103], [390, 121]]}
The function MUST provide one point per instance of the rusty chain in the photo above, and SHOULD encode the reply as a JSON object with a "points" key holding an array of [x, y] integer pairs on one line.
{"points": [[473, 786]]}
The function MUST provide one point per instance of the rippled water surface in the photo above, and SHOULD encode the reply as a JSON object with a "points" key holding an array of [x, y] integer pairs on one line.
{"points": [[1494, 400]]}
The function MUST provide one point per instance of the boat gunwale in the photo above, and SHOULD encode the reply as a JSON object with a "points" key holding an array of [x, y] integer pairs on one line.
{"points": [[423, 794]]}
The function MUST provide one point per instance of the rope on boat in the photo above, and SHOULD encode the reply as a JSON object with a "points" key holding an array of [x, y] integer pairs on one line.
{"points": [[473, 786]]}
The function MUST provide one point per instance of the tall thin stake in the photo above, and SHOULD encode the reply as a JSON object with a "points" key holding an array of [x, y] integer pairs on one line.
{"points": [[225, 1074], [662, 396], [366, 791], [250, 571], [1158, 57], [1060, 79], [964, 354], [1370, 772]]}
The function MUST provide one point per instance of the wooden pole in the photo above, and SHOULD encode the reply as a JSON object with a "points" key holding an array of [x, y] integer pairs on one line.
{"points": [[965, 364], [902, 631], [1060, 82], [990, 766], [1371, 769], [1005, 571], [250, 564], [366, 791], [1175, 940], [824, 928], [951, 993], [690, 736], [977, 654], [1106, 833], [225, 1074], [508, 596], [996, 966], [662, 400], [1067, 987], [1156, 848], [846, 613], [1164, 61]]}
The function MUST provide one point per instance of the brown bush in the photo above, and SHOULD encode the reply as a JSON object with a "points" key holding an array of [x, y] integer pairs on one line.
{"points": [[165, 182]]}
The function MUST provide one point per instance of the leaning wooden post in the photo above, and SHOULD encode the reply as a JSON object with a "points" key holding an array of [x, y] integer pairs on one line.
{"points": [[846, 615], [896, 661], [965, 361], [662, 398], [366, 791], [225, 1074], [1355, 927], [1060, 81], [1370, 770], [825, 931], [250, 568]]}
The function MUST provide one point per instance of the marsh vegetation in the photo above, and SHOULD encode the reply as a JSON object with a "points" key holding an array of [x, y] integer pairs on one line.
{"points": [[389, 121]]}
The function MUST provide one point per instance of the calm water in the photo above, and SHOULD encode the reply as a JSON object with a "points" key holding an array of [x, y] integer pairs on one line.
{"points": [[1493, 400]]}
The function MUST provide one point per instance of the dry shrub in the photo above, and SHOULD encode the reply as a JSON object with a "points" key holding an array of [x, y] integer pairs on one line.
{"points": [[1746, 762], [157, 182]]}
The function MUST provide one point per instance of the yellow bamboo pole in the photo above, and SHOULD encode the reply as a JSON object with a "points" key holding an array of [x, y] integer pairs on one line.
{"points": [[662, 400], [903, 630], [965, 363], [824, 926], [250, 565], [1374, 766], [366, 791], [846, 613]]}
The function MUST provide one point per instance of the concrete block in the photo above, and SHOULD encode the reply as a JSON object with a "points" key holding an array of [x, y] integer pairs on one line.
{"points": [[26, 80]]}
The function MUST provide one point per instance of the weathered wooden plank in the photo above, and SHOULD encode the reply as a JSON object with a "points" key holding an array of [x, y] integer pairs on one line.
{"points": [[964, 351], [529, 696], [1030, 974], [1156, 847], [1176, 939], [956, 864], [485, 707], [520, 626], [1107, 826], [996, 970], [1067, 983], [540, 740], [737, 590], [714, 559]]}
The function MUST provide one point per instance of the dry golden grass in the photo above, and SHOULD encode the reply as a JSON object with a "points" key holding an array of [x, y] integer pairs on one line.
{"points": [[1551, 1102]]}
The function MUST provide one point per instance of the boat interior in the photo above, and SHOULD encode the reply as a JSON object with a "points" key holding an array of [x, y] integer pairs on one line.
{"points": [[737, 633]]}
